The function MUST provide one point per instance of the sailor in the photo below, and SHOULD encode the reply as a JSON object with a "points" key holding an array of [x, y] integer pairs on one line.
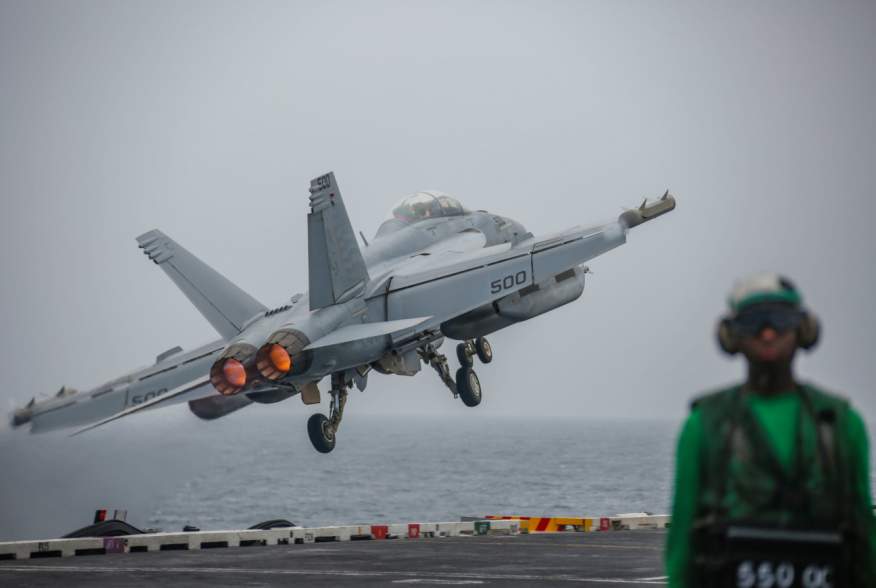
{"points": [[772, 484]]}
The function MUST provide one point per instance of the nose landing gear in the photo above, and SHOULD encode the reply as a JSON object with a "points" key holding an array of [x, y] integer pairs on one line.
{"points": [[484, 350], [466, 350]]}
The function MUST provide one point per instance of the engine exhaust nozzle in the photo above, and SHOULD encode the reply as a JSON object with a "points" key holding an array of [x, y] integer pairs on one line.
{"points": [[233, 370], [283, 355]]}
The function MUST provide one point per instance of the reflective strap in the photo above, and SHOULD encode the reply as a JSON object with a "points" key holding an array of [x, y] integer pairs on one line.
{"points": [[823, 537]]}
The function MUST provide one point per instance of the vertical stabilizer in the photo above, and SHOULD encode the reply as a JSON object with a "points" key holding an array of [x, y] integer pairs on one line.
{"points": [[222, 303], [336, 269]]}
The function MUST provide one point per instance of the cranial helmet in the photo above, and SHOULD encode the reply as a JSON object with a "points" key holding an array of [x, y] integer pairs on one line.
{"points": [[766, 288]]}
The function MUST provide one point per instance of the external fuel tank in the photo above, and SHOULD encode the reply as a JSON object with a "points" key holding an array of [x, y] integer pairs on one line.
{"points": [[522, 305]]}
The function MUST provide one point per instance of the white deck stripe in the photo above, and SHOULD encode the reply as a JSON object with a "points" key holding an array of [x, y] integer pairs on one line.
{"points": [[297, 572]]}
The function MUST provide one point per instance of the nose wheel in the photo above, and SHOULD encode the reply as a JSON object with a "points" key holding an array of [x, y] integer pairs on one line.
{"points": [[466, 351], [463, 354], [322, 429], [484, 350]]}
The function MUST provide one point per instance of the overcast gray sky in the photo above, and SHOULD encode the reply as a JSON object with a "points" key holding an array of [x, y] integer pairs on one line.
{"points": [[207, 120]]}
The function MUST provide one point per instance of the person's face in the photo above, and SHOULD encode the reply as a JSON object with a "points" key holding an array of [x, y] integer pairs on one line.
{"points": [[769, 346]]}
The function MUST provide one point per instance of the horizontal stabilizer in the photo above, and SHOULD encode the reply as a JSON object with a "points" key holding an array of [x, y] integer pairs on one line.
{"points": [[367, 330], [336, 269], [223, 304]]}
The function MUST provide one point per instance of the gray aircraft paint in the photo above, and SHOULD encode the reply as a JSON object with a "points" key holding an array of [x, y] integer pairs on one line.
{"points": [[208, 119], [426, 273]]}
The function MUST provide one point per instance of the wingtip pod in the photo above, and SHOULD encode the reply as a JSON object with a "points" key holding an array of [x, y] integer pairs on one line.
{"points": [[20, 416], [647, 211], [34, 407]]}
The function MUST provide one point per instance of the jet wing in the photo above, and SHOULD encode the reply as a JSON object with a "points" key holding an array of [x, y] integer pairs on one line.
{"points": [[459, 282], [172, 369], [467, 281], [190, 387]]}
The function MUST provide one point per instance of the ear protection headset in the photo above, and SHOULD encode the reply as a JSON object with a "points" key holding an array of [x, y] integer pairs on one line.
{"points": [[765, 288]]}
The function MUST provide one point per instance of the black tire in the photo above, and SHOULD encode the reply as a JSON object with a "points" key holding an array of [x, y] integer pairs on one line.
{"points": [[464, 359], [468, 386], [484, 350], [274, 524], [320, 433], [110, 528]]}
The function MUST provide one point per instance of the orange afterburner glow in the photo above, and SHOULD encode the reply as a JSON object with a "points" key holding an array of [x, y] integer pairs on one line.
{"points": [[234, 372], [280, 358]]}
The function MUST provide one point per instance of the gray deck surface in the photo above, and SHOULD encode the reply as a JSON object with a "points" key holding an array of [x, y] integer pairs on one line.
{"points": [[619, 558]]}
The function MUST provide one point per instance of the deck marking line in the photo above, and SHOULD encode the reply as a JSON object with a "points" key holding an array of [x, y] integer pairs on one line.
{"points": [[437, 581], [350, 573]]}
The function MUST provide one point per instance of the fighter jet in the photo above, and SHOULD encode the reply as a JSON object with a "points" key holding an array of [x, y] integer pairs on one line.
{"points": [[434, 271]]}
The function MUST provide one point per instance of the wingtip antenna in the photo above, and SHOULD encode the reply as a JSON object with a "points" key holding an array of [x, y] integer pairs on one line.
{"points": [[364, 240]]}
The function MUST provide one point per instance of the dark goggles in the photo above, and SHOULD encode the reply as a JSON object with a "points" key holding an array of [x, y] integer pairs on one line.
{"points": [[750, 322]]}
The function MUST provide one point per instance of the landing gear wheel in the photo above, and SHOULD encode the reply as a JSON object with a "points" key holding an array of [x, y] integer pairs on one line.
{"points": [[468, 386], [484, 350], [321, 433], [463, 357]]}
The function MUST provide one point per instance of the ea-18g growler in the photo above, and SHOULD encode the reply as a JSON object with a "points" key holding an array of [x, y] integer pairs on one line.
{"points": [[434, 270]]}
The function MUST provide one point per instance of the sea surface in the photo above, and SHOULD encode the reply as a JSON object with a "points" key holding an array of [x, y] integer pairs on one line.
{"points": [[169, 469], [258, 465]]}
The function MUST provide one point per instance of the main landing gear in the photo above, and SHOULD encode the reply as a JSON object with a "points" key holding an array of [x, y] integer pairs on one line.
{"points": [[323, 430], [466, 385]]}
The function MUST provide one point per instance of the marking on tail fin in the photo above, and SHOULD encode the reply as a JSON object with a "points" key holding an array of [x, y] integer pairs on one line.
{"points": [[336, 268]]}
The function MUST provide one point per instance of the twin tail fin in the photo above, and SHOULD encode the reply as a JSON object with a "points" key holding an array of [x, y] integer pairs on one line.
{"points": [[336, 269]]}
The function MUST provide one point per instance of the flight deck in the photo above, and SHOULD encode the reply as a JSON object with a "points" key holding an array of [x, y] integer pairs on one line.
{"points": [[620, 558]]}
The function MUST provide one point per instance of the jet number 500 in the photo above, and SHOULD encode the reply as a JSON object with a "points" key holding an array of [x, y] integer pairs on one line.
{"points": [[508, 282], [141, 398]]}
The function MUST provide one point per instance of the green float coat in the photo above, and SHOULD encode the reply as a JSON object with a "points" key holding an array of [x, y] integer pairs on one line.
{"points": [[777, 416]]}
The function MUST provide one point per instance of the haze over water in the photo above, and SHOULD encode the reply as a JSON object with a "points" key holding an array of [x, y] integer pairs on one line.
{"points": [[169, 469], [259, 465]]}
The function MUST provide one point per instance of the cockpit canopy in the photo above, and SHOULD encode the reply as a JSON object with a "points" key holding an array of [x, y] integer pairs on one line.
{"points": [[423, 205], [418, 207]]}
